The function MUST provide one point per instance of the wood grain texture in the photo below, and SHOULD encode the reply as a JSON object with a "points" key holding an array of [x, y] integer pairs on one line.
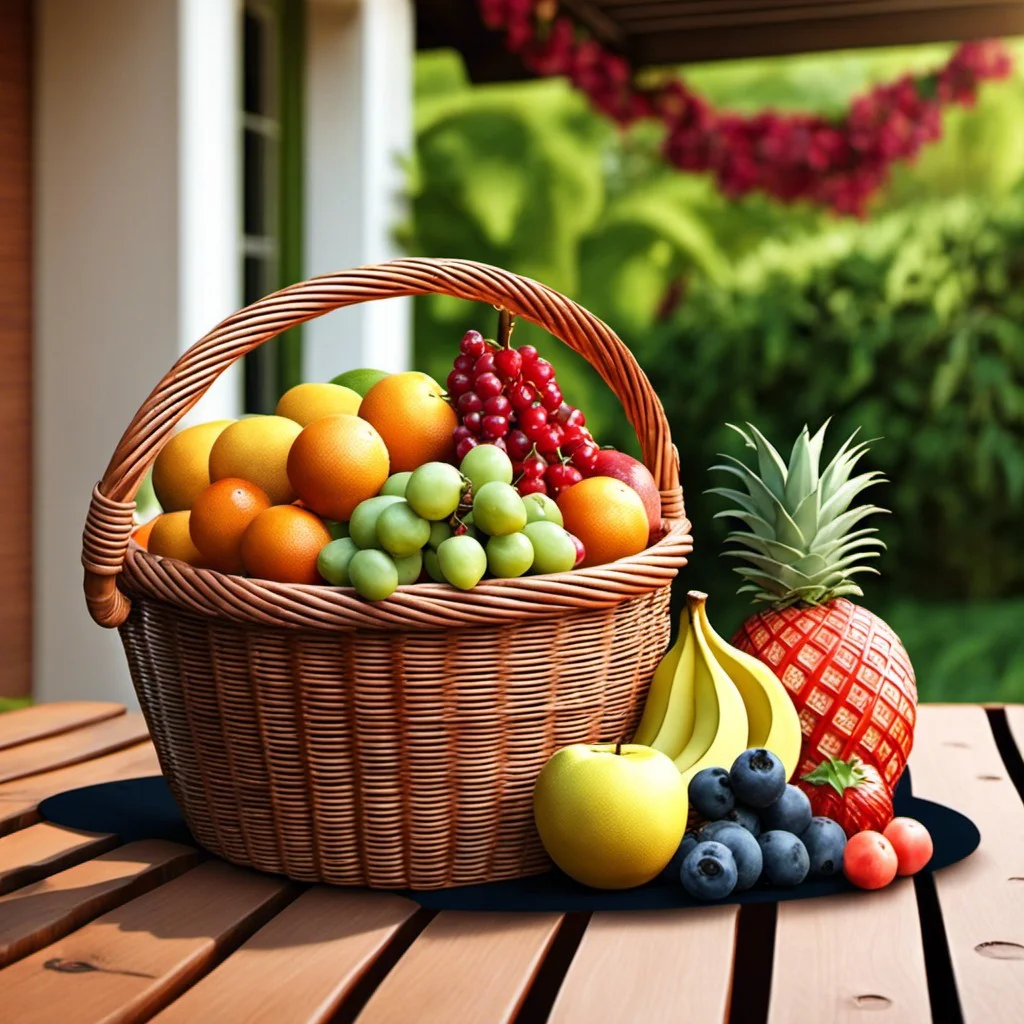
{"points": [[44, 849], [16, 346], [840, 956], [20, 799], [136, 959], [47, 910], [298, 968], [464, 967], [35, 723], [650, 966], [72, 747], [955, 761]]}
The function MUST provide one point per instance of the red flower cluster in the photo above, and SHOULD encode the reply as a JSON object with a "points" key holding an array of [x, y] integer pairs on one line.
{"points": [[836, 164]]}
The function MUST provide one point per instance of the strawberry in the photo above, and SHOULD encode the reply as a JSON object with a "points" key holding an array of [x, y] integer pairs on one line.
{"points": [[851, 793]]}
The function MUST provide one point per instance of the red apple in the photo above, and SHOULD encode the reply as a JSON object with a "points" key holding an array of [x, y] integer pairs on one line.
{"points": [[636, 475]]}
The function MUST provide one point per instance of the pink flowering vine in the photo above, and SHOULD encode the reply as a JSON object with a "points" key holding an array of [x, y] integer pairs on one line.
{"points": [[835, 163]]}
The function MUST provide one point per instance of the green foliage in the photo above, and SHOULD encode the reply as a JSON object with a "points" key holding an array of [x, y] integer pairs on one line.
{"points": [[13, 703], [911, 328]]}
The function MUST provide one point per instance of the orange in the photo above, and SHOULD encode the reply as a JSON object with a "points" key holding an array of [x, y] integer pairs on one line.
{"points": [[182, 469], [607, 515], [282, 543], [256, 449], [410, 412], [307, 402], [169, 537], [337, 462], [141, 534], [220, 516]]}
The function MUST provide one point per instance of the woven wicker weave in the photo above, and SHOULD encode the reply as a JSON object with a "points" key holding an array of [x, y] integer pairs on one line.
{"points": [[308, 732]]}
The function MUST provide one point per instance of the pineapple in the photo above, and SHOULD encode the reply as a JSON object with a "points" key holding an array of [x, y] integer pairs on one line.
{"points": [[846, 670]]}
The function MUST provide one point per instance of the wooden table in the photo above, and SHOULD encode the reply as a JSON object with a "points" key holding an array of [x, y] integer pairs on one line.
{"points": [[95, 930]]}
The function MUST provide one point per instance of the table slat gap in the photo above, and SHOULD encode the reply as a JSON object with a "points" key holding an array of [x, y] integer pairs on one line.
{"points": [[656, 966], [44, 849], [956, 761], [41, 720], [20, 799], [136, 959], [68, 748], [41, 913]]}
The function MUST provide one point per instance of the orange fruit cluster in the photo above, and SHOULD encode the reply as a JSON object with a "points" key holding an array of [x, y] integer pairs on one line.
{"points": [[265, 495]]}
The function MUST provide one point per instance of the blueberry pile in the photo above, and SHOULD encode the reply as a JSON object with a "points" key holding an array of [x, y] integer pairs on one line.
{"points": [[759, 830]]}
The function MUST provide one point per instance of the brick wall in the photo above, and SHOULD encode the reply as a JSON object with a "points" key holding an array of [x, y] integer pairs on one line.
{"points": [[15, 347]]}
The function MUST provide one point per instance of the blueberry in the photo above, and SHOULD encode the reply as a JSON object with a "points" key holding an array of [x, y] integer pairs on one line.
{"points": [[710, 793], [785, 858], [757, 777], [708, 832], [686, 844], [825, 841], [746, 818], [790, 813], [745, 851], [709, 872]]}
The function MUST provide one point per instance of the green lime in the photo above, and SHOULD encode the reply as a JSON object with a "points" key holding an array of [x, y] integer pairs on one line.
{"points": [[553, 548], [335, 529], [400, 531], [540, 508], [439, 533], [433, 566], [360, 381]]}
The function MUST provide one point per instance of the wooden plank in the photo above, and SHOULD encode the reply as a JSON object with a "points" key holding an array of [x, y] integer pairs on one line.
{"points": [[298, 968], [838, 956], [42, 720], [1015, 720], [653, 966], [134, 960], [465, 967], [955, 761], [16, 346], [20, 799], [44, 849], [38, 914], [71, 747]]}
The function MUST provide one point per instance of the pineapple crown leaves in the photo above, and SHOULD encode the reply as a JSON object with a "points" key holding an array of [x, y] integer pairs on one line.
{"points": [[799, 540]]}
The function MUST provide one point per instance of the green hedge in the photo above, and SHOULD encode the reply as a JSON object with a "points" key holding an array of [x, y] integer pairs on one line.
{"points": [[911, 327]]}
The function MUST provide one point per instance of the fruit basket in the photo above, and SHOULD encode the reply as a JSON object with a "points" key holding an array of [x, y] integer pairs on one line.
{"points": [[307, 732]]}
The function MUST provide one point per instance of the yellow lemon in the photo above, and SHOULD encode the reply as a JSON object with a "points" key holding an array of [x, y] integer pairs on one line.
{"points": [[256, 449], [307, 402], [182, 469], [610, 817], [169, 537]]}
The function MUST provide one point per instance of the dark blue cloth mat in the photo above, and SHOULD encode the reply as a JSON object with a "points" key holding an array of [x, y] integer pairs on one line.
{"points": [[144, 809]]}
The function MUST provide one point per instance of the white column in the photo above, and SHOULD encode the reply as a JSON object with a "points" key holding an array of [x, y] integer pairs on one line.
{"points": [[358, 130], [136, 255]]}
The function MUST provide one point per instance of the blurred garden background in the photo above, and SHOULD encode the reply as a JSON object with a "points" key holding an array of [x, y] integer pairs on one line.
{"points": [[908, 323]]}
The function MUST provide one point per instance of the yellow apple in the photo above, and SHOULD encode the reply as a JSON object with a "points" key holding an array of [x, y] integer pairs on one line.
{"points": [[610, 815]]}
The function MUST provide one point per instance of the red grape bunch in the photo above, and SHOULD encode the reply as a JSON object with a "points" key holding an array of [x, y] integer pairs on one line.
{"points": [[509, 397]]}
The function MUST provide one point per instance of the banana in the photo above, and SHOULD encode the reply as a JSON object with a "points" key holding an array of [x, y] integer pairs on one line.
{"points": [[661, 687], [678, 721], [773, 721], [720, 729]]}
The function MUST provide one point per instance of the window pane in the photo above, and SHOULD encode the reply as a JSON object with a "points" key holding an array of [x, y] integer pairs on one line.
{"points": [[254, 42], [257, 154]]}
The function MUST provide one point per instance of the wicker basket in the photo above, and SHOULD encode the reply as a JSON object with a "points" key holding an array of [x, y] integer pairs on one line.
{"points": [[307, 732]]}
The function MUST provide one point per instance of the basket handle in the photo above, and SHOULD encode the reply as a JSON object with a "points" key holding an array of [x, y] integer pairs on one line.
{"points": [[110, 523]]}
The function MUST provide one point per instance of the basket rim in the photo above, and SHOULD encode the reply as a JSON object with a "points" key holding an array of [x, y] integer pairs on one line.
{"points": [[419, 606]]}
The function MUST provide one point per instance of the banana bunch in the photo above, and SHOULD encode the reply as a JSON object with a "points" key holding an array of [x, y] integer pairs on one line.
{"points": [[709, 702]]}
